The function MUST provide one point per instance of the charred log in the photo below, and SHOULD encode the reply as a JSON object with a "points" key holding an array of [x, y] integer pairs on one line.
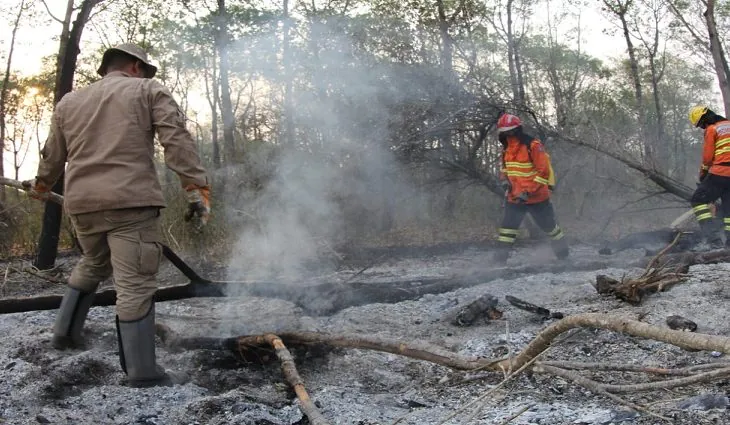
{"points": [[109, 297], [482, 309], [652, 238], [543, 312]]}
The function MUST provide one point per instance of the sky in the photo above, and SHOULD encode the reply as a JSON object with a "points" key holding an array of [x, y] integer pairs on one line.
{"points": [[37, 40]]}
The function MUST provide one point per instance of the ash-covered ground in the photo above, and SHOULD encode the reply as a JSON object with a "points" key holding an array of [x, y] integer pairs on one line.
{"points": [[41, 385]]}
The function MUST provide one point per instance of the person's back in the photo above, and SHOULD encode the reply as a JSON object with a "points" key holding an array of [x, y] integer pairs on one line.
{"points": [[110, 143]]}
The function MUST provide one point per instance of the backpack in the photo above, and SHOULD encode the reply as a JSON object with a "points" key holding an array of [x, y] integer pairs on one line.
{"points": [[552, 181]]}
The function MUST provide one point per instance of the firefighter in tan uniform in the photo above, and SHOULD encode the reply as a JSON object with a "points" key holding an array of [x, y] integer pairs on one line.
{"points": [[104, 135]]}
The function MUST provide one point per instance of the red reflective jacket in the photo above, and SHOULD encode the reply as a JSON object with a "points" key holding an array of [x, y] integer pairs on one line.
{"points": [[527, 170], [716, 150]]}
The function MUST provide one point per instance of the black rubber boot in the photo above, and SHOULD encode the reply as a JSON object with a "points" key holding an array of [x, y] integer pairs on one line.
{"points": [[70, 319], [501, 255], [711, 235], [137, 354], [560, 248]]}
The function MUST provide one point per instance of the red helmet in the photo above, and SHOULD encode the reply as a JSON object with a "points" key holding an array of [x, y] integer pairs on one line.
{"points": [[507, 122]]}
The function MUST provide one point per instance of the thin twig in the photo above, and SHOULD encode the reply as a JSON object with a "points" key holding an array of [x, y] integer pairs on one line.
{"points": [[516, 415], [369, 265], [595, 387], [661, 254], [614, 367], [34, 272], [493, 389]]}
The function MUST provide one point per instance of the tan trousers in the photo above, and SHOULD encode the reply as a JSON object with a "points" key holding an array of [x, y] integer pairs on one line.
{"points": [[124, 243]]}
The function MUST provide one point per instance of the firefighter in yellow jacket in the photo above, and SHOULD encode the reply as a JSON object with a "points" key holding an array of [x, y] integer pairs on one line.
{"points": [[714, 173]]}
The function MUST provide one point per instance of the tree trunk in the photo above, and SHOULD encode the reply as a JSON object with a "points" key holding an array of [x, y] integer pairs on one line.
{"points": [[511, 55], [226, 104], [718, 55], [287, 134], [211, 92], [48, 243], [4, 94], [446, 42], [661, 153]]}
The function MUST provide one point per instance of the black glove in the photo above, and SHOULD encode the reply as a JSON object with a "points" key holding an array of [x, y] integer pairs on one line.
{"points": [[523, 197], [506, 186]]}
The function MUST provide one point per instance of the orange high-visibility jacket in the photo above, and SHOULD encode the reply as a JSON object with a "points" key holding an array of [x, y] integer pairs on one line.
{"points": [[717, 149], [527, 171]]}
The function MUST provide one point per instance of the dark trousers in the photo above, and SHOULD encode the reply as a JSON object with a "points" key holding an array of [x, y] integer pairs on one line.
{"points": [[544, 216], [712, 188]]}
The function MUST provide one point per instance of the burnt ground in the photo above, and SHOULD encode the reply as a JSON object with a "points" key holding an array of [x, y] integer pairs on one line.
{"points": [[41, 385]]}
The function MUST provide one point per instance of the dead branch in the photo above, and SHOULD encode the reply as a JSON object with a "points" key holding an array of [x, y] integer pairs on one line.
{"points": [[532, 308], [687, 259], [594, 387], [691, 378], [615, 367], [686, 340], [289, 368], [35, 272], [653, 279], [244, 344], [53, 197], [427, 352]]}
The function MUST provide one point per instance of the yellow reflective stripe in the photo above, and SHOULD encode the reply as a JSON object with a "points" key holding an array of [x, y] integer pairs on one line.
{"points": [[507, 239], [701, 207], [541, 180], [705, 216], [722, 150], [520, 173], [726, 220], [727, 228], [559, 236], [721, 142], [519, 164], [556, 233], [506, 231]]}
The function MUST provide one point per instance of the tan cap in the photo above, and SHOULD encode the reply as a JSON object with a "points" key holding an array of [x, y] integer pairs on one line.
{"points": [[130, 49]]}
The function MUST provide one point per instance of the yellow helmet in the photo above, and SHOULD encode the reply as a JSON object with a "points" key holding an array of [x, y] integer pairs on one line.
{"points": [[696, 113]]}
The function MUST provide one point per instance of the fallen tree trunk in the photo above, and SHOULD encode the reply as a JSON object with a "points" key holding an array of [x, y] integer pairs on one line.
{"points": [[692, 258], [665, 182], [109, 297]]}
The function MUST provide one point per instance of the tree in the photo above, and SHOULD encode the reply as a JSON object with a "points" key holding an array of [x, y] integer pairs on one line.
{"points": [[4, 91], [68, 54]]}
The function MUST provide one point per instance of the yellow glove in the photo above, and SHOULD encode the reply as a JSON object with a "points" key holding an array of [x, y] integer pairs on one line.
{"points": [[36, 189], [198, 203]]}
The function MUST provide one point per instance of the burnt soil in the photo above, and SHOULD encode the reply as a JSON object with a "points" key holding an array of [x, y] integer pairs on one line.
{"points": [[406, 294]]}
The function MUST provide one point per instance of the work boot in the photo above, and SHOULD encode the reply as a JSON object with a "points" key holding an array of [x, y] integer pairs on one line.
{"points": [[501, 255], [70, 319], [716, 243], [560, 248], [137, 354], [711, 234]]}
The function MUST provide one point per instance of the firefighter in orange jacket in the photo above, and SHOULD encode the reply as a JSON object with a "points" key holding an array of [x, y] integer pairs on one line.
{"points": [[714, 173], [525, 174]]}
